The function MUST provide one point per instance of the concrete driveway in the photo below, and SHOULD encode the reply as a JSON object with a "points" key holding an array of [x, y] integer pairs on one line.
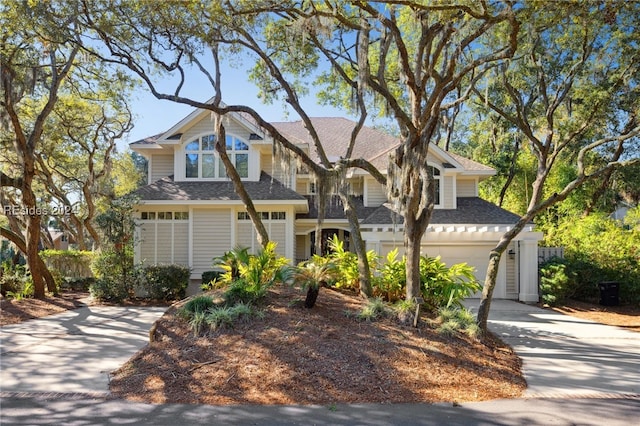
{"points": [[564, 356], [72, 352], [55, 371]]}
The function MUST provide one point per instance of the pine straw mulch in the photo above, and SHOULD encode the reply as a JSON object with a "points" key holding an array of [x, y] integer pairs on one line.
{"points": [[625, 316], [16, 311], [295, 355]]}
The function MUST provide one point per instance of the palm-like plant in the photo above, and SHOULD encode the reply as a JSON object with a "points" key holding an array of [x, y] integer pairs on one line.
{"points": [[248, 276], [312, 275]]}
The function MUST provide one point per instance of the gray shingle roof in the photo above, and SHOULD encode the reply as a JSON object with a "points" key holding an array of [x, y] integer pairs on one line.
{"points": [[471, 211], [166, 189], [335, 134], [149, 140], [335, 210]]}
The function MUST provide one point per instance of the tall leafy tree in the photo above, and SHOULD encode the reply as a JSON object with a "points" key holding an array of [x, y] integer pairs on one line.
{"points": [[41, 68], [571, 94], [409, 60]]}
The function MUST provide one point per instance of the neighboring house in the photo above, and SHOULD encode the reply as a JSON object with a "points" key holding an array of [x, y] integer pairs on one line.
{"points": [[60, 239], [189, 212]]}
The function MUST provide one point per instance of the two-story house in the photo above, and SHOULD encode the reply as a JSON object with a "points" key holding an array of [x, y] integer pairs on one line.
{"points": [[189, 212]]}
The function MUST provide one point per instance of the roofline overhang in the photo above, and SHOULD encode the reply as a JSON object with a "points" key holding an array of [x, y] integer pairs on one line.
{"points": [[301, 206], [164, 139]]}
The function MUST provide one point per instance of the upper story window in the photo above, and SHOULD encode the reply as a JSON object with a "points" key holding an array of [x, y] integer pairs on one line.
{"points": [[437, 179], [202, 160]]}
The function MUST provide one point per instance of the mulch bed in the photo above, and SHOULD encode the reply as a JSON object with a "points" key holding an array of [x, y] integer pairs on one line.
{"points": [[295, 355]]}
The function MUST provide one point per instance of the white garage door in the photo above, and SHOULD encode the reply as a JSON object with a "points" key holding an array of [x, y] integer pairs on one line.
{"points": [[474, 255]]}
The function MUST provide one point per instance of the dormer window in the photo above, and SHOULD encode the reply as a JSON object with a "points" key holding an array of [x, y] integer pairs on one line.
{"points": [[202, 160]]}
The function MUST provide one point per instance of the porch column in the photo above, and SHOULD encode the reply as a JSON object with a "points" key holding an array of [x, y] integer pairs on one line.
{"points": [[528, 271]]}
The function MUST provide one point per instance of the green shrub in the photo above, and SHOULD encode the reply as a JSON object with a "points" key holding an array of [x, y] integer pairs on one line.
{"points": [[312, 275], [248, 277], [346, 262], [115, 275], [200, 303], [197, 322], [108, 290], [68, 263], [15, 281], [164, 282], [455, 320], [597, 249], [210, 278], [557, 283], [226, 316], [240, 291], [444, 286], [405, 310], [374, 309], [391, 279], [78, 284]]}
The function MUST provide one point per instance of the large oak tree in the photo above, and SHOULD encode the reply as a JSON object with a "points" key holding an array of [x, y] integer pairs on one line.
{"points": [[40, 64], [571, 95], [412, 61]]}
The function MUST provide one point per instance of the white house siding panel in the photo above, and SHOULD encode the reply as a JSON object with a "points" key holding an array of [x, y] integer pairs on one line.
{"points": [[181, 243], [272, 167], [164, 242], [147, 242], [466, 188], [245, 236], [449, 189], [375, 194], [161, 166], [302, 186], [278, 234], [211, 237], [206, 126]]}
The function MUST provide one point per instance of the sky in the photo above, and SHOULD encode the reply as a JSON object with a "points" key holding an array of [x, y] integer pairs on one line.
{"points": [[153, 116]]}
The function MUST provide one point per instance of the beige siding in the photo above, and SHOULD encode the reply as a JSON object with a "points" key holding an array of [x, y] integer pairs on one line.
{"points": [[302, 186], [181, 243], [211, 237], [205, 126], [274, 169], [278, 234], [466, 188], [448, 192], [164, 242], [147, 242], [161, 166], [376, 194], [245, 236]]}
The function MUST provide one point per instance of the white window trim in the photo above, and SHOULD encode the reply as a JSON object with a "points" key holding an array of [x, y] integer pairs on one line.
{"points": [[217, 163], [440, 179]]}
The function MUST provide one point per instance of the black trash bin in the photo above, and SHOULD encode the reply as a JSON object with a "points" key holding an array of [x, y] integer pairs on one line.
{"points": [[609, 293]]}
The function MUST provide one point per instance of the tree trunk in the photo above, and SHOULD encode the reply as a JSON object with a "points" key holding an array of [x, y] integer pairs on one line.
{"points": [[32, 241], [487, 289], [312, 296], [412, 240], [22, 246], [364, 269], [261, 231]]}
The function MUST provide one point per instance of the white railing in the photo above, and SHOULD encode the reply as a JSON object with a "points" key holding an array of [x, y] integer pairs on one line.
{"points": [[546, 253]]}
